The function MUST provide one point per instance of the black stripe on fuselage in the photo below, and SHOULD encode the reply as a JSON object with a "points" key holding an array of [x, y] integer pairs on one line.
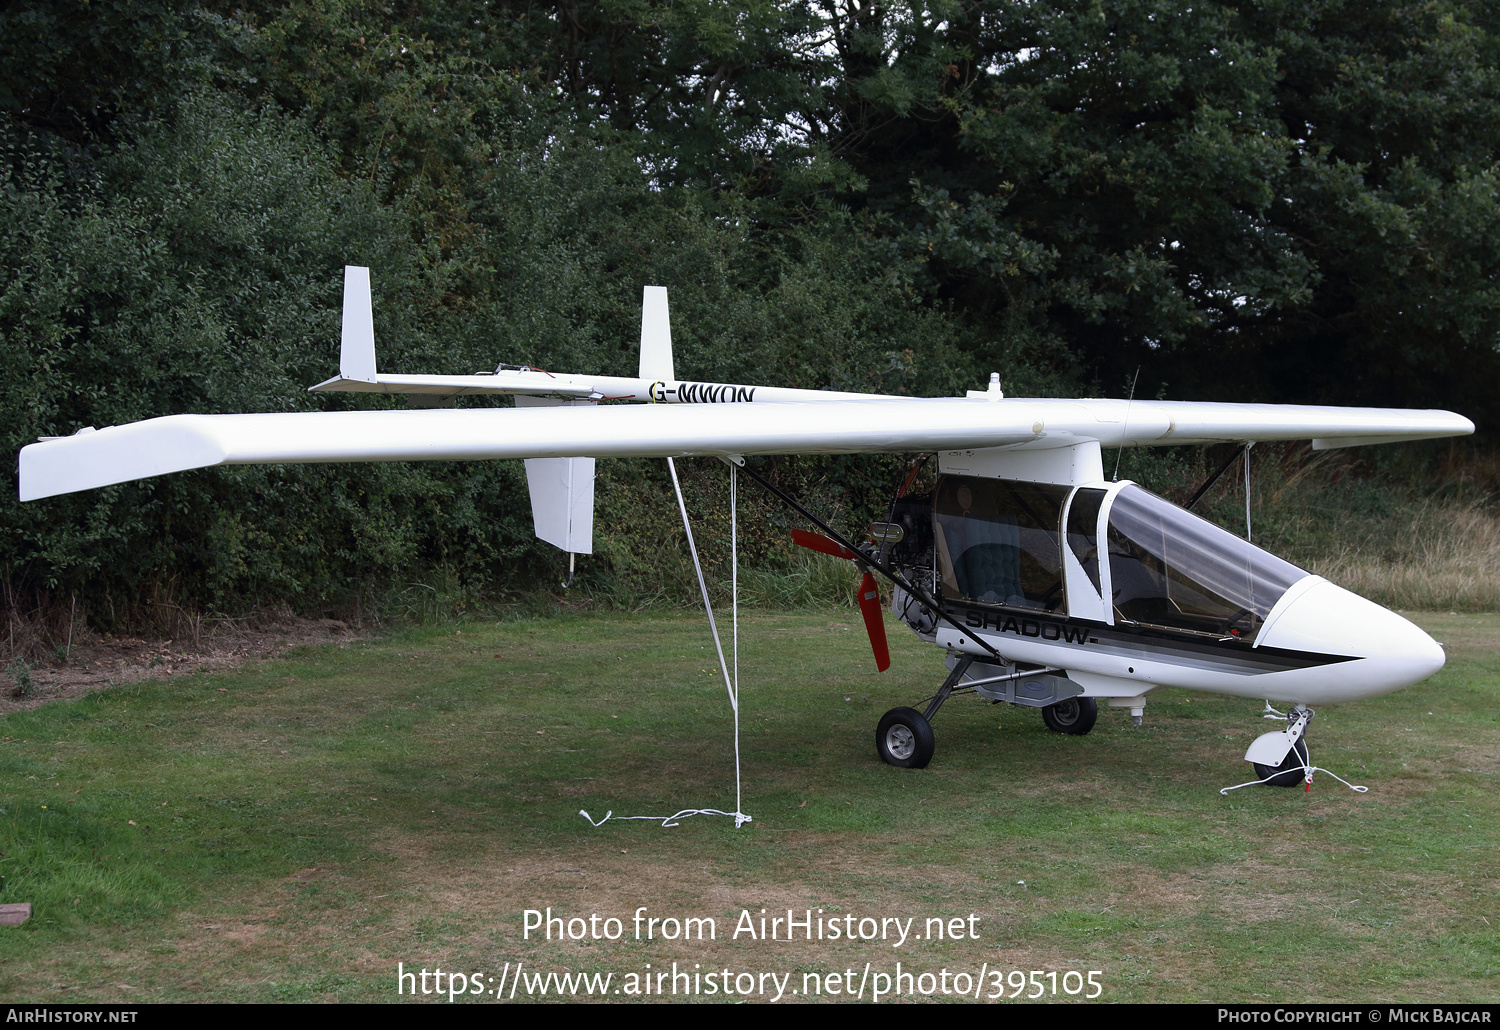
{"points": [[1146, 643]]}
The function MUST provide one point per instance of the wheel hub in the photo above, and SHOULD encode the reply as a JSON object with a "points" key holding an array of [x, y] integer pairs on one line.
{"points": [[900, 742]]}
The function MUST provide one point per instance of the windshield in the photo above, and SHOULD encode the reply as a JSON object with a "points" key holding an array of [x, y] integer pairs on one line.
{"points": [[1170, 568]]}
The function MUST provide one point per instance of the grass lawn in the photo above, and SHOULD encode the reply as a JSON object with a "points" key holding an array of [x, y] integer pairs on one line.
{"points": [[293, 830]]}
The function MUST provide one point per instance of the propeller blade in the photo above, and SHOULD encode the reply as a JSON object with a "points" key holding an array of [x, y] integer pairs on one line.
{"points": [[819, 542], [869, 593], [869, 607]]}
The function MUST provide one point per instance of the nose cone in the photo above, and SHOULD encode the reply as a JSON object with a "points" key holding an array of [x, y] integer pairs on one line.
{"points": [[1328, 619]]}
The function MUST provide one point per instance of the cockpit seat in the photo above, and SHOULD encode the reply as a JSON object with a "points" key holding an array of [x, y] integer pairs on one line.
{"points": [[991, 572]]}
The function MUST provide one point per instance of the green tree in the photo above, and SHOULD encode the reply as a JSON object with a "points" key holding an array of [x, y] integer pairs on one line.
{"points": [[1272, 201]]}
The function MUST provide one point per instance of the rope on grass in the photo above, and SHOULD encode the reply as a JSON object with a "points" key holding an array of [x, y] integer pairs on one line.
{"points": [[667, 821], [1308, 771]]}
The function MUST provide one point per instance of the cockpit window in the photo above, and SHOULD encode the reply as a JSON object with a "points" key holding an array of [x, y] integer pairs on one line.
{"points": [[1083, 530], [999, 541], [1170, 568]]}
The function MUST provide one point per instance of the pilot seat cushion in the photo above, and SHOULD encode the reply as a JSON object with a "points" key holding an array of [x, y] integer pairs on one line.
{"points": [[991, 572]]}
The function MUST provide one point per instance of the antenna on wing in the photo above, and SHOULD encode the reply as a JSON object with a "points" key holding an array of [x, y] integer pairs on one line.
{"points": [[656, 337], [1121, 452], [357, 345]]}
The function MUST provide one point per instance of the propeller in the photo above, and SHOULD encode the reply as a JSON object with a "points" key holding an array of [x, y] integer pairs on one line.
{"points": [[869, 592]]}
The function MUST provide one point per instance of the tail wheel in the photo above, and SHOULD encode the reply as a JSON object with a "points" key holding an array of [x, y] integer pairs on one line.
{"points": [[1076, 715], [1290, 772], [904, 738]]}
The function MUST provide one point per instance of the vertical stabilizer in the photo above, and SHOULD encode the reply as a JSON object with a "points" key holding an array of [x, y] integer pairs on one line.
{"points": [[656, 337], [357, 350], [562, 492]]}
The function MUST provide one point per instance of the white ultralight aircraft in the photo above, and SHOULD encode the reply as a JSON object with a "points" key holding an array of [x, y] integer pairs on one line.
{"points": [[1046, 584]]}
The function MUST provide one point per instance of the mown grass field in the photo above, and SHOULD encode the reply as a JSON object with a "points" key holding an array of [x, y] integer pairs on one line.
{"points": [[292, 831]]}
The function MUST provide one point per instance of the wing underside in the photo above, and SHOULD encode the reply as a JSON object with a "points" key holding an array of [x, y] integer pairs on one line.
{"points": [[179, 442]]}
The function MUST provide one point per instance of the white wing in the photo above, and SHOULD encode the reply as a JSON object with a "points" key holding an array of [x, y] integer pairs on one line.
{"points": [[179, 442]]}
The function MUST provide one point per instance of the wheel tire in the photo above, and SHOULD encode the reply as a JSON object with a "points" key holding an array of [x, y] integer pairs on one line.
{"points": [[1289, 773], [1075, 715], [904, 738]]}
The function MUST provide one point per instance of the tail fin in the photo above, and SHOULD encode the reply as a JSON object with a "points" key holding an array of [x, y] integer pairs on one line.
{"points": [[656, 336], [357, 348], [562, 492]]}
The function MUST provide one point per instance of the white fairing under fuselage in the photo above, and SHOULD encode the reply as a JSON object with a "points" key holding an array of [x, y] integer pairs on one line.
{"points": [[1026, 567]]}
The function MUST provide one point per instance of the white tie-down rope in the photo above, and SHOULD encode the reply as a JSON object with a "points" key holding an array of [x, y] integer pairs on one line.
{"points": [[732, 685], [1307, 767], [734, 596], [1307, 771]]}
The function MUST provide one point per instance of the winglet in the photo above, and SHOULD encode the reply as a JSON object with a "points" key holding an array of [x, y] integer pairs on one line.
{"points": [[656, 336], [357, 348]]}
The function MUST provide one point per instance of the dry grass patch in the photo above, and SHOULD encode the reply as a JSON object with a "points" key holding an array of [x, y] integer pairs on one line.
{"points": [[93, 662]]}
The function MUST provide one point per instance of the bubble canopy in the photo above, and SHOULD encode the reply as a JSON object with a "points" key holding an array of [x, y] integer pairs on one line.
{"points": [[1171, 568], [1001, 542]]}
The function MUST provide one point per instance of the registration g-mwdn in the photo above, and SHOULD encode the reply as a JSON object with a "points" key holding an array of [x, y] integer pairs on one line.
{"points": [[1044, 582]]}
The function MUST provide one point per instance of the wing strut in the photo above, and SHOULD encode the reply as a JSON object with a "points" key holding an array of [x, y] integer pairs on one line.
{"points": [[1208, 483]]}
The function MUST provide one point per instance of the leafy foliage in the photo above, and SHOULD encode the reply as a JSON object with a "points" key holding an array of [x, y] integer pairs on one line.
{"points": [[1271, 201], [195, 269]]}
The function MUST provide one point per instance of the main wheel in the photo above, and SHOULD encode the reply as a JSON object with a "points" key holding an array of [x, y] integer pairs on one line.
{"points": [[1290, 772], [904, 738], [1076, 715]]}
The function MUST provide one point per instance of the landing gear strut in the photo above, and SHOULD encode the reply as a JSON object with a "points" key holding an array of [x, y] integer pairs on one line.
{"points": [[1280, 758], [904, 737]]}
